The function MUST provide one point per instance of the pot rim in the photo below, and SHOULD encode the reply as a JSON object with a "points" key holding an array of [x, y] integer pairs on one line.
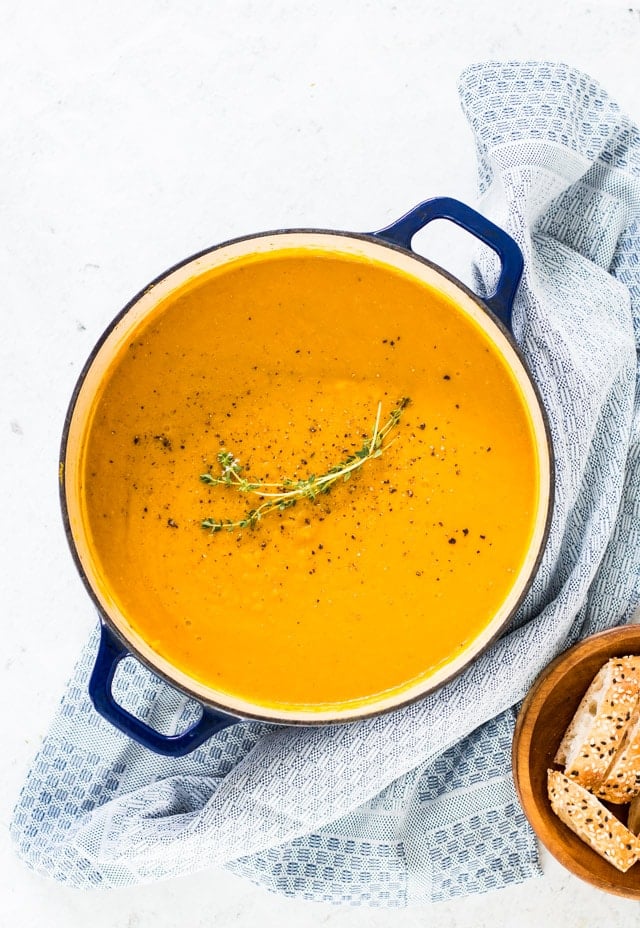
{"points": [[368, 709]]}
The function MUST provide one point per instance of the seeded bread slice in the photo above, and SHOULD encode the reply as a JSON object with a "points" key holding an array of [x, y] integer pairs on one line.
{"points": [[591, 821], [622, 781], [599, 724]]}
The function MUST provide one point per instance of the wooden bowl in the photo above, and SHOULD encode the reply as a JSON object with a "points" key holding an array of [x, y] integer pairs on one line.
{"points": [[543, 719]]}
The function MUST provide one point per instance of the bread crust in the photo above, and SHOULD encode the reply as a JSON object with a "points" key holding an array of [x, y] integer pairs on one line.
{"points": [[591, 821], [598, 727]]}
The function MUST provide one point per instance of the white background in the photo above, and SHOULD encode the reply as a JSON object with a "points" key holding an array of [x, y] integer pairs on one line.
{"points": [[134, 133]]}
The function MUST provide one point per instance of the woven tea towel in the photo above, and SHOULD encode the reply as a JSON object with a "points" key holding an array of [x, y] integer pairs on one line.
{"points": [[417, 805]]}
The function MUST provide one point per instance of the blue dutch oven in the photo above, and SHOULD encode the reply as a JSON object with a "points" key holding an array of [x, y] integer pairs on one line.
{"points": [[392, 246]]}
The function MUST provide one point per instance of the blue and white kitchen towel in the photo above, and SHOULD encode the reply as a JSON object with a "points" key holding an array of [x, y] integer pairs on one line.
{"points": [[417, 805]]}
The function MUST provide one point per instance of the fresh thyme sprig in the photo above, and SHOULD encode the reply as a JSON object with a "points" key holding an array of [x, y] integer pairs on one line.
{"points": [[283, 495]]}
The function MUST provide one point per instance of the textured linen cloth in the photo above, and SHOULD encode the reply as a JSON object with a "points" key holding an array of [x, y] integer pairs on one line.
{"points": [[417, 805]]}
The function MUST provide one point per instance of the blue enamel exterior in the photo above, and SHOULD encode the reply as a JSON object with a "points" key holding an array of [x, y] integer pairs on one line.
{"points": [[110, 652], [403, 230]]}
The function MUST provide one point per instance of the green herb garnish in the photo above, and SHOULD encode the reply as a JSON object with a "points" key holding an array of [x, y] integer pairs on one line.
{"points": [[276, 497]]}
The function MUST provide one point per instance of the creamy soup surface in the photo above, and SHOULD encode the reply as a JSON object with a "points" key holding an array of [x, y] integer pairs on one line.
{"points": [[283, 360]]}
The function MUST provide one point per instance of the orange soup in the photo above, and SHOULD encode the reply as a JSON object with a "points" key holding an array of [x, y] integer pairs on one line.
{"points": [[283, 360]]}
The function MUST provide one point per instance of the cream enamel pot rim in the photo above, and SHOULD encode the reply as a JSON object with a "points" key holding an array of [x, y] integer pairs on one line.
{"points": [[390, 246]]}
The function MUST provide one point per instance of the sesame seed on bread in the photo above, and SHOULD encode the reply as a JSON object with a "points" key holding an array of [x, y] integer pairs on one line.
{"points": [[591, 821]]}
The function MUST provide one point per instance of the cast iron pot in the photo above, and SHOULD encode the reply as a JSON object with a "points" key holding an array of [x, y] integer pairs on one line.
{"points": [[391, 245]]}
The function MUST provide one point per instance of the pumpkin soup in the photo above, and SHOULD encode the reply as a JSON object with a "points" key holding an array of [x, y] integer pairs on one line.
{"points": [[277, 367]]}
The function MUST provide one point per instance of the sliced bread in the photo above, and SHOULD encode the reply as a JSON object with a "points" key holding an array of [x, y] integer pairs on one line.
{"points": [[600, 722], [591, 821], [622, 780]]}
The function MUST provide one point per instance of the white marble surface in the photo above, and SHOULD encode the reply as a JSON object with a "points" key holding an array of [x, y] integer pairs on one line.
{"points": [[136, 133]]}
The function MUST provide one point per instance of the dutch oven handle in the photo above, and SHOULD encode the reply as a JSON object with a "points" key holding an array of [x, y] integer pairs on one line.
{"points": [[110, 652], [402, 232]]}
